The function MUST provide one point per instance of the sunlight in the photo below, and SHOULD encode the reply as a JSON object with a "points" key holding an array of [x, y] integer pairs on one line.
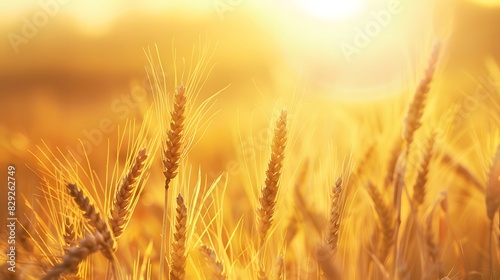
{"points": [[331, 10]]}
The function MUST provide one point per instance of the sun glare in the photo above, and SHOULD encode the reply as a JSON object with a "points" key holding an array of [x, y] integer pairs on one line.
{"points": [[331, 9]]}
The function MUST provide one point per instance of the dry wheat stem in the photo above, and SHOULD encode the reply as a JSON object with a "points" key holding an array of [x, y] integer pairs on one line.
{"points": [[267, 199], [419, 189], [335, 216], [94, 219], [178, 253], [120, 212], [75, 255], [171, 158], [213, 264], [385, 218]]}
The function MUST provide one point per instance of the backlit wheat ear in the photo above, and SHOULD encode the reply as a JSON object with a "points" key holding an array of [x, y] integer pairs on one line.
{"points": [[212, 263], [94, 219], [335, 216], [419, 189], [416, 110], [171, 158], [493, 187], [75, 255], [120, 212], [267, 200], [172, 152], [385, 218], [178, 254]]}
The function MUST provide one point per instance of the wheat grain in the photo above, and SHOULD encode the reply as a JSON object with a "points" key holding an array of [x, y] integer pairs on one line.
{"points": [[120, 212], [69, 234], [94, 219], [178, 254]]}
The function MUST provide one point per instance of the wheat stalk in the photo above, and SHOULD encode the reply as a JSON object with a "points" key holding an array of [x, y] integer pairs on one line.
{"points": [[94, 219], [267, 199], [213, 264], [120, 212], [419, 189], [335, 216], [385, 218], [75, 255], [178, 254], [416, 109], [171, 158]]}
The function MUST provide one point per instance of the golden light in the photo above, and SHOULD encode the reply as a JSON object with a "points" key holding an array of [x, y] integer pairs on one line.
{"points": [[331, 10], [487, 3]]}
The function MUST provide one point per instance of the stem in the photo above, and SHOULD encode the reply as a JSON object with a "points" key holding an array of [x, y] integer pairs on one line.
{"points": [[163, 235]]}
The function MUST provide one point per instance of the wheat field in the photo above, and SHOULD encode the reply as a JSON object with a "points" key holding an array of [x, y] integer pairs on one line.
{"points": [[405, 186]]}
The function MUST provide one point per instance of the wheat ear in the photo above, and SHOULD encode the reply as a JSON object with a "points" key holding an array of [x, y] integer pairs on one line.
{"points": [[171, 158], [75, 255], [386, 220], [172, 152], [335, 216], [178, 254], [120, 212], [267, 199], [420, 185], [213, 264], [414, 116], [94, 219]]}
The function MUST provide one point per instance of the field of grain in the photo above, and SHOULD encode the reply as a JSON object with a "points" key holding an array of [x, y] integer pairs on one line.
{"points": [[250, 140]]}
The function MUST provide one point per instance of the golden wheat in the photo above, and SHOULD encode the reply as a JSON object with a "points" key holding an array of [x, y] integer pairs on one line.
{"points": [[120, 212], [108, 245], [335, 216], [419, 188], [267, 199], [178, 253], [75, 255]]}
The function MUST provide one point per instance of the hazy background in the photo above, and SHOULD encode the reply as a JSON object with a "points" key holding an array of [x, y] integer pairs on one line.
{"points": [[64, 67]]}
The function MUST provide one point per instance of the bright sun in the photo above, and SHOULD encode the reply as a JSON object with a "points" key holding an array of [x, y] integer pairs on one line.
{"points": [[331, 9]]}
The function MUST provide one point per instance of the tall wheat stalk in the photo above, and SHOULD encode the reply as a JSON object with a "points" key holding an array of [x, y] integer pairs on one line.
{"points": [[171, 158], [267, 199]]}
